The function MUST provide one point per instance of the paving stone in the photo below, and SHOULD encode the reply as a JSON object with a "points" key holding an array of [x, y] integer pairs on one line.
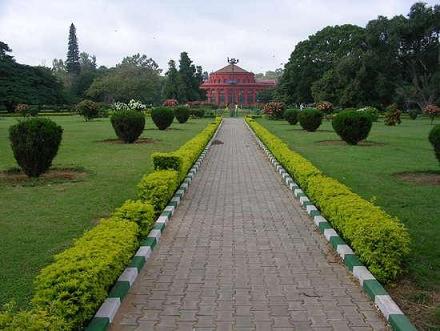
{"points": [[239, 253]]}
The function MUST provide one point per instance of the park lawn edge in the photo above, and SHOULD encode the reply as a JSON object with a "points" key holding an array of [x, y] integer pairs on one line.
{"points": [[107, 311], [370, 285]]}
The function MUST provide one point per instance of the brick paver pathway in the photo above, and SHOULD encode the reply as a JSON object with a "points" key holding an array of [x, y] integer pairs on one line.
{"points": [[241, 254]]}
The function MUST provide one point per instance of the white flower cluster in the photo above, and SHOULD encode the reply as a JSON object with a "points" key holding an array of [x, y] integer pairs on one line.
{"points": [[132, 105]]}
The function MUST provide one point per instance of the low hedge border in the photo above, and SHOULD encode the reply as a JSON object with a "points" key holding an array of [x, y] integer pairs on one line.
{"points": [[369, 283], [105, 314]]}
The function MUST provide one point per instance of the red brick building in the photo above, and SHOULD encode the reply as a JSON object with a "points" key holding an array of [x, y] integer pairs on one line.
{"points": [[234, 85]]}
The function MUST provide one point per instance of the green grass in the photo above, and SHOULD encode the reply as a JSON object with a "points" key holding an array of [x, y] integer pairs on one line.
{"points": [[369, 170], [41, 218]]}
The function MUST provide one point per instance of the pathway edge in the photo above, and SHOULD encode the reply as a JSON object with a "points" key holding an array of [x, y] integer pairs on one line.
{"points": [[369, 284], [107, 311]]}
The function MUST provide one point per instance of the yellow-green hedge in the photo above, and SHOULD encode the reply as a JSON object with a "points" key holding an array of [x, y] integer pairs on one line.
{"points": [[380, 240], [183, 158], [74, 286]]}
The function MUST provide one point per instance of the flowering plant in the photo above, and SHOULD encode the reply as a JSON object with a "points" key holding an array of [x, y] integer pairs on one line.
{"points": [[325, 106], [392, 116], [432, 111], [170, 103], [274, 110], [132, 105]]}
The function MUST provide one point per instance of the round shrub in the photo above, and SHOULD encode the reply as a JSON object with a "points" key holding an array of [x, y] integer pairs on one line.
{"points": [[274, 110], [35, 143], [373, 112], [162, 117], [310, 119], [434, 139], [291, 116], [197, 112], [182, 114], [128, 125], [352, 126], [413, 113], [88, 109]]}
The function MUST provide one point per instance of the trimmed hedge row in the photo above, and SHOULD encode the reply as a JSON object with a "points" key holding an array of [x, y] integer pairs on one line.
{"points": [[69, 291], [380, 241], [158, 188], [182, 159], [75, 285]]}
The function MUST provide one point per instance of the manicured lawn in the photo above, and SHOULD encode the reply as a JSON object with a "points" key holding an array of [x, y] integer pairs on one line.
{"points": [[369, 170], [41, 219]]}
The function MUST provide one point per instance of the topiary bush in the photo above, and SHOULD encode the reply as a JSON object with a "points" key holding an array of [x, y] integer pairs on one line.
{"points": [[197, 112], [373, 112], [434, 139], [413, 113], [274, 110], [128, 125], [325, 106], [182, 114], [392, 116], [88, 109], [291, 116], [352, 126], [162, 117], [310, 119], [35, 144]]}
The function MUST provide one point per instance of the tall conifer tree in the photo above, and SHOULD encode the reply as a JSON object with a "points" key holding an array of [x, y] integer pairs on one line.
{"points": [[72, 62]]}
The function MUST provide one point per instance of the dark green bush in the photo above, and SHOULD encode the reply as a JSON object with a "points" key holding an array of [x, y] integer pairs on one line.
{"points": [[310, 119], [197, 112], [291, 116], [434, 139], [128, 125], [88, 109], [413, 113], [352, 126], [162, 117], [35, 143], [373, 112], [182, 113]]}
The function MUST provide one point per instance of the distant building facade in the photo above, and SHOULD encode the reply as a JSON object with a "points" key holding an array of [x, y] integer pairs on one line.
{"points": [[234, 85]]}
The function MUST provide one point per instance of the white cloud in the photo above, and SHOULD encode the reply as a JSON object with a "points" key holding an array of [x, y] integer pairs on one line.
{"points": [[262, 34]]}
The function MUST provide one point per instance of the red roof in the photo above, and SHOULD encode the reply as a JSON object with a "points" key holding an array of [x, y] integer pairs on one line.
{"points": [[228, 68]]}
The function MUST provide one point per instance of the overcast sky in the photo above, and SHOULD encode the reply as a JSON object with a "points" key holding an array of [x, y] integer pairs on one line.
{"points": [[262, 33]]}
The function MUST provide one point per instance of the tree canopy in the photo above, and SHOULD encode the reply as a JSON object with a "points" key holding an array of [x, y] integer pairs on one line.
{"points": [[390, 60], [136, 77], [26, 84]]}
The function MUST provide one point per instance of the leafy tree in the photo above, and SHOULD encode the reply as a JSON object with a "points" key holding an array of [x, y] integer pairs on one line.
{"points": [[276, 75], [171, 89], [26, 84], [136, 77], [189, 79], [313, 57], [72, 63], [266, 96]]}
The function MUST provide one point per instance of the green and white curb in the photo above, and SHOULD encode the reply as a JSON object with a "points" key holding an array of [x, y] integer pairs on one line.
{"points": [[105, 314], [371, 286]]}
